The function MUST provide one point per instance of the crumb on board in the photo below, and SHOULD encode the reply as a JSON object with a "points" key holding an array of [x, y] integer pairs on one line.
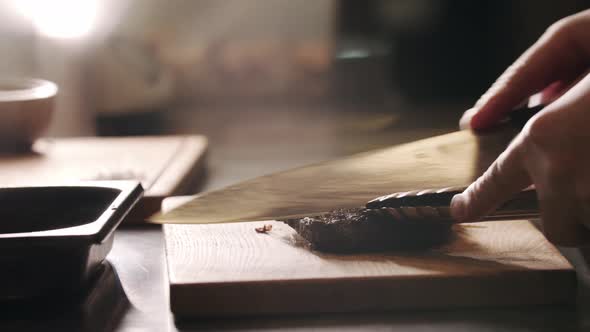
{"points": [[264, 229]]}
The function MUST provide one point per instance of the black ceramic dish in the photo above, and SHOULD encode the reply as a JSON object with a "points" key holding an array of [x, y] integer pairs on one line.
{"points": [[53, 239]]}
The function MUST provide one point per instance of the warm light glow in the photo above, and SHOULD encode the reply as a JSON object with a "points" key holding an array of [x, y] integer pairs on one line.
{"points": [[60, 18]]}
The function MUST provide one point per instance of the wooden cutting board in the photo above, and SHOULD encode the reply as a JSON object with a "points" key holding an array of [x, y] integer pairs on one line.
{"points": [[229, 269], [165, 165]]}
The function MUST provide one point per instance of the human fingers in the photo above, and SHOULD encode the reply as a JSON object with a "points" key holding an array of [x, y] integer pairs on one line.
{"points": [[504, 178], [556, 90], [465, 121], [559, 165]]}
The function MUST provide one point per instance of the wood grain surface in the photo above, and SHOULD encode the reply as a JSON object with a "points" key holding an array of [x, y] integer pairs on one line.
{"points": [[230, 269], [165, 165]]}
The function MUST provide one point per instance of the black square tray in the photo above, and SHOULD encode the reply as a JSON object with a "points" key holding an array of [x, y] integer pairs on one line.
{"points": [[53, 238]]}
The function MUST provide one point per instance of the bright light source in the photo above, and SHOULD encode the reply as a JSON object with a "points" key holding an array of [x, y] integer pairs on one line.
{"points": [[60, 18]]}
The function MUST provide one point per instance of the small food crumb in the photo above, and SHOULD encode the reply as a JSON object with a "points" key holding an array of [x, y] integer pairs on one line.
{"points": [[264, 229]]}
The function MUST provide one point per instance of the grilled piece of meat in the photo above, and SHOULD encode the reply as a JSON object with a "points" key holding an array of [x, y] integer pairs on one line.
{"points": [[362, 230]]}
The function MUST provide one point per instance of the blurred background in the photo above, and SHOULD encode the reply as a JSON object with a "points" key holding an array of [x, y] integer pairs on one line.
{"points": [[281, 82]]}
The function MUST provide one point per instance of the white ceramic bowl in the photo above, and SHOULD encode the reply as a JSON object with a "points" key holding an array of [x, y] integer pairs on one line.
{"points": [[26, 108]]}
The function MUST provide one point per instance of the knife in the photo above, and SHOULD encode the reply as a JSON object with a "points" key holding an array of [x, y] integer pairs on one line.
{"points": [[453, 159], [435, 204]]}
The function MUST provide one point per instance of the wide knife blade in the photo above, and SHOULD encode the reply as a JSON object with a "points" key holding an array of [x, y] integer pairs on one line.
{"points": [[454, 159]]}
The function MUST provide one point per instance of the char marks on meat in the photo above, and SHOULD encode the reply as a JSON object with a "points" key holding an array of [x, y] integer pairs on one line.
{"points": [[364, 230]]}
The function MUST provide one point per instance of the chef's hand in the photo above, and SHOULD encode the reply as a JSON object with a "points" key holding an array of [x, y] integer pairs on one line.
{"points": [[552, 152]]}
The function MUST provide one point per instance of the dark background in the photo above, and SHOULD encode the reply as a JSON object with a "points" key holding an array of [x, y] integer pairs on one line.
{"points": [[459, 49]]}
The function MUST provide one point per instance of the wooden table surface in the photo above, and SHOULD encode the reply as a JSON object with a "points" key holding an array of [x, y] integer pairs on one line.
{"points": [[261, 141], [165, 165]]}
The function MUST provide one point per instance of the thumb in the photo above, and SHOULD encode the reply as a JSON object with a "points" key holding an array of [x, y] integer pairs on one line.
{"points": [[504, 178]]}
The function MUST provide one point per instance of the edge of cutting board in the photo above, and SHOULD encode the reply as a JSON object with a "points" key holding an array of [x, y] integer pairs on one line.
{"points": [[369, 294]]}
